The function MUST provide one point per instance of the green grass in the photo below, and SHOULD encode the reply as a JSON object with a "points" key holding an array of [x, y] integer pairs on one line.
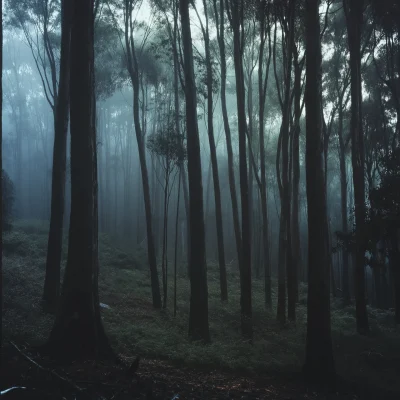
{"points": [[135, 328]]}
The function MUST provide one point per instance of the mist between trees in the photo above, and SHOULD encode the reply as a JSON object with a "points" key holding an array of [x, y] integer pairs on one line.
{"points": [[258, 138]]}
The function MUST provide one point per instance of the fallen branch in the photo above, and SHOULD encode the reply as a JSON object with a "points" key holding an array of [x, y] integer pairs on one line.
{"points": [[55, 374]]}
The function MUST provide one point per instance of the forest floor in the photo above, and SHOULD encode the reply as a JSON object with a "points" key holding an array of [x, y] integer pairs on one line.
{"points": [[228, 368]]}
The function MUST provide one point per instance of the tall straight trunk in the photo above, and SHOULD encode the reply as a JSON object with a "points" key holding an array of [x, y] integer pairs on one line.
{"points": [[343, 206], [262, 89], [78, 331], [214, 163], [285, 231], [237, 21], [227, 129], [54, 245], [176, 239], [319, 364], [296, 250], [182, 170], [354, 16], [134, 76], [198, 317]]}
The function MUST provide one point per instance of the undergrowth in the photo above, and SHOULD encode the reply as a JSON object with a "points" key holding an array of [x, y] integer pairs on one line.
{"points": [[134, 327]]}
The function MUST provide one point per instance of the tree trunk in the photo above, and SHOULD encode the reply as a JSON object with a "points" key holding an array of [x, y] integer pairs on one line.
{"points": [[262, 88], [354, 16], [343, 204], [237, 21], [319, 364], [231, 173], [54, 246], [78, 331], [134, 75], [214, 164], [198, 317]]}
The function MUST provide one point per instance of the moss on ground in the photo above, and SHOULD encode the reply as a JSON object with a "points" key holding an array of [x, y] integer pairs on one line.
{"points": [[135, 327]]}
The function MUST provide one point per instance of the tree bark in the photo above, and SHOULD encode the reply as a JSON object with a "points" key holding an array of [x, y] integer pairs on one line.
{"points": [[54, 246], [319, 364], [134, 75], [78, 331], [354, 16], [237, 21], [227, 129], [198, 317]]}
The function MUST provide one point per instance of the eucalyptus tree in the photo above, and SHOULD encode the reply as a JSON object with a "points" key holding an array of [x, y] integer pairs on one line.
{"points": [[219, 16], [236, 16], [78, 331], [198, 316], [319, 363], [39, 22], [132, 52], [354, 10], [167, 146], [285, 14], [205, 29]]}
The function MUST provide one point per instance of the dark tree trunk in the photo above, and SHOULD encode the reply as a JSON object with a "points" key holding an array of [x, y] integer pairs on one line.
{"points": [[78, 331], [54, 247], [296, 250], [343, 204], [237, 22], [198, 317], [134, 75], [214, 164], [354, 16], [262, 89], [319, 364], [231, 173]]}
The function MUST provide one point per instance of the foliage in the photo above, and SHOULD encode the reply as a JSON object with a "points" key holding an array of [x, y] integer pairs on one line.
{"points": [[385, 199], [8, 200], [168, 144], [136, 328]]}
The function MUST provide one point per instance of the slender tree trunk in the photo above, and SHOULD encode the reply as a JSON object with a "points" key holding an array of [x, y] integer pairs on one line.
{"points": [[198, 317], [319, 364], [296, 252], [176, 240], [214, 164], [231, 173], [354, 16], [343, 205], [262, 89], [78, 330], [237, 21], [54, 246], [134, 75]]}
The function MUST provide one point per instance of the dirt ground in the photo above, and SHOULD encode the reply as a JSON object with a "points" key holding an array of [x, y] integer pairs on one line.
{"points": [[153, 380]]}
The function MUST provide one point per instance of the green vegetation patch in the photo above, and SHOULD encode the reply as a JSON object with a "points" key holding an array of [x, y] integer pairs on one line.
{"points": [[134, 327]]}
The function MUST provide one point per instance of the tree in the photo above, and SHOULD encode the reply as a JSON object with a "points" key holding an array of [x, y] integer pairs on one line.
{"points": [[198, 317], [78, 330], [319, 364], [213, 155], [354, 17], [168, 147], [134, 74], [42, 41], [235, 11]]}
